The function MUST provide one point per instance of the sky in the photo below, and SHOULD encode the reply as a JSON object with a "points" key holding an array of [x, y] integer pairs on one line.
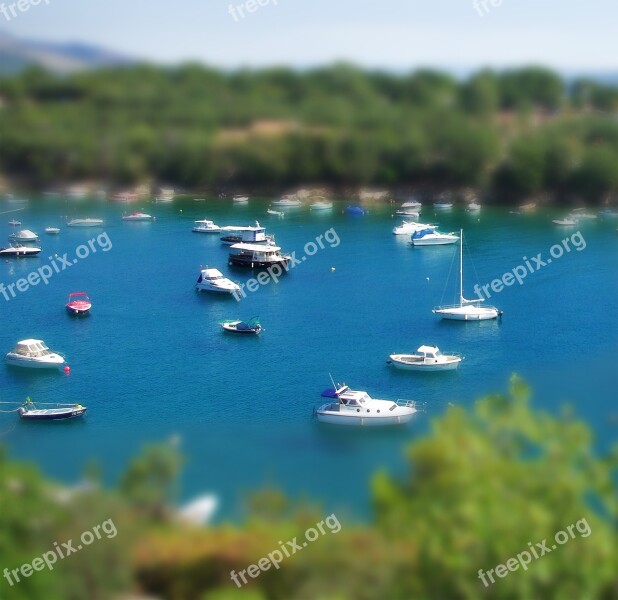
{"points": [[391, 34]]}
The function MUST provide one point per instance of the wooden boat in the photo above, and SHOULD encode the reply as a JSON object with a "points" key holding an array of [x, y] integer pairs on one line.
{"points": [[28, 411]]}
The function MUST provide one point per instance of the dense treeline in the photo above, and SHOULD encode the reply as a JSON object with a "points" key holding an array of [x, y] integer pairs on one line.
{"points": [[514, 134], [487, 485]]}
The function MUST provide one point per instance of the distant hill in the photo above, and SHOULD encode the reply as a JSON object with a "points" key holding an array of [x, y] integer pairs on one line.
{"points": [[17, 54]]}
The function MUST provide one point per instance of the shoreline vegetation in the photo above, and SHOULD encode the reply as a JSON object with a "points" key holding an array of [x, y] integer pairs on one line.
{"points": [[484, 483], [504, 137]]}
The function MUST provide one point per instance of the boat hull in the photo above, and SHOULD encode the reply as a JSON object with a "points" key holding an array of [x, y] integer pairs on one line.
{"points": [[362, 421], [28, 363], [248, 262], [53, 414], [455, 315], [450, 365], [435, 242]]}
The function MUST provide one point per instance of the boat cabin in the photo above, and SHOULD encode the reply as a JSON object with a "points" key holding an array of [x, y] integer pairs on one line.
{"points": [[31, 349]]}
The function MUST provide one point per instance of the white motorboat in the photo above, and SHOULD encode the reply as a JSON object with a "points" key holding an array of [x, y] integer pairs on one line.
{"points": [[413, 204], [85, 223], [581, 214], [212, 280], [240, 199], [25, 236], [286, 202], [250, 327], [321, 205], [257, 256], [357, 408], [137, 216], [443, 205], [34, 354], [466, 310], [19, 251], [473, 207], [566, 222], [166, 195], [14, 223], [408, 228], [277, 213], [411, 213], [206, 226], [426, 358], [432, 237], [52, 230], [252, 234]]}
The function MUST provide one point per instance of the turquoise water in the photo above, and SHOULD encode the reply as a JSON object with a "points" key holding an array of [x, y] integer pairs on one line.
{"points": [[151, 361]]}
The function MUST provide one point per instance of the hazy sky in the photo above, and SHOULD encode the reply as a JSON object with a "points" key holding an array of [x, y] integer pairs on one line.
{"points": [[398, 34]]}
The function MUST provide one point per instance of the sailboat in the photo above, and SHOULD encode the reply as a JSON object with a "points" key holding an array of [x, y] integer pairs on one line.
{"points": [[466, 310]]}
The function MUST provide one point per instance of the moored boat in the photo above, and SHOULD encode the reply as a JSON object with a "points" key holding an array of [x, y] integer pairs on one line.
{"points": [[250, 327], [426, 358], [34, 354], [432, 237], [212, 280], [78, 303], [137, 216], [88, 222], [25, 236], [52, 230], [287, 202], [357, 408], [29, 411], [257, 256], [19, 251], [206, 226], [252, 234], [408, 228]]}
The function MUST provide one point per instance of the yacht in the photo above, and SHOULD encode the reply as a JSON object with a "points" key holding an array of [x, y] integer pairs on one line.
{"points": [[257, 256], [85, 223], [240, 199], [357, 408], [286, 202], [321, 205], [474, 207], [408, 228], [19, 251], [52, 230], [212, 280], [413, 204], [78, 303], [137, 216], [34, 354], [277, 213], [408, 212], [426, 358], [443, 205], [566, 222], [253, 234], [206, 226], [466, 310], [432, 237], [25, 236]]}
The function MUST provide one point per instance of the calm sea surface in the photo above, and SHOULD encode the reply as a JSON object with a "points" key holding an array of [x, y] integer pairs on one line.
{"points": [[151, 361]]}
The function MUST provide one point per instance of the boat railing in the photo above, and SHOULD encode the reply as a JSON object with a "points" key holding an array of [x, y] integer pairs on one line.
{"points": [[406, 403]]}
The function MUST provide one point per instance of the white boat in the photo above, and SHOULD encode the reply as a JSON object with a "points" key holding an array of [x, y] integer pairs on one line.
{"points": [[277, 213], [287, 202], [357, 408], [24, 236], [426, 358], [408, 228], [257, 256], [52, 230], [166, 195], [14, 223], [19, 251], [85, 223], [432, 237], [321, 205], [473, 207], [251, 234], [408, 212], [137, 216], [443, 205], [413, 204], [11, 199], [206, 226], [566, 222], [608, 213], [580, 214], [466, 310], [212, 280], [34, 354], [240, 199]]}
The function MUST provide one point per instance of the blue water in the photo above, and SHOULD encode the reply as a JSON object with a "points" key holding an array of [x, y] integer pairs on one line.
{"points": [[151, 361]]}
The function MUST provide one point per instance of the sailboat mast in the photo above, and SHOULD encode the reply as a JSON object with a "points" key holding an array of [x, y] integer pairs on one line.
{"points": [[461, 298]]}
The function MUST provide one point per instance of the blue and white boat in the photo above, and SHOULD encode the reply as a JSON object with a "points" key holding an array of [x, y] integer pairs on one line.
{"points": [[432, 237], [356, 210]]}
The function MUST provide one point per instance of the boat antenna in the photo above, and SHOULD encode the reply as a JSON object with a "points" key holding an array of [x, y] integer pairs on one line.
{"points": [[333, 382], [461, 298]]}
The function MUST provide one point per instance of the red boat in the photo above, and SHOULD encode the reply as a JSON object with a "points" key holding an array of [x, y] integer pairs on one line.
{"points": [[79, 303]]}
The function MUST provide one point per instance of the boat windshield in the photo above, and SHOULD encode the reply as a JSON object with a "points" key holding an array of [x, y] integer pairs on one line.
{"points": [[32, 350]]}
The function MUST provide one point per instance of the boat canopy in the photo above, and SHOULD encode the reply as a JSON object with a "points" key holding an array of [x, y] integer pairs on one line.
{"points": [[334, 392], [421, 233], [428, 350]]}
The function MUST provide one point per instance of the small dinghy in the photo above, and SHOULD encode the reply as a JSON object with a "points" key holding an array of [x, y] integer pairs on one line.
{"points": [[252, 326], [28, 411]]}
